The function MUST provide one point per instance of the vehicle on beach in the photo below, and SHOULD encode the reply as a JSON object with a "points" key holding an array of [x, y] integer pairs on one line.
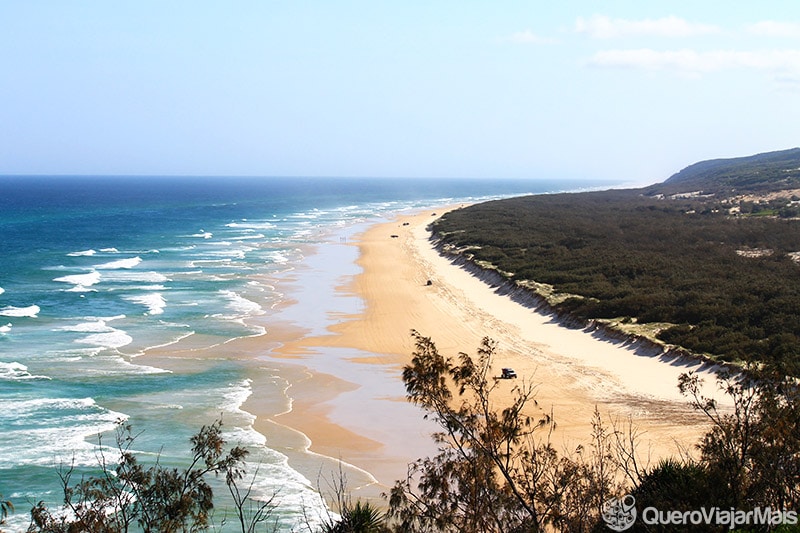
{"points": [[508, 373]]}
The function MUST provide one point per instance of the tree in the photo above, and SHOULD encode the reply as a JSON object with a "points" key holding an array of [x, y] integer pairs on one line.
{"points": [[156, 498], [250, 512], [492, 473], [752, 449], [674, 485]]}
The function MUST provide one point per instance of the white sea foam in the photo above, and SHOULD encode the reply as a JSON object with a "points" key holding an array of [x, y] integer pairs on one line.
{"points": [[154, 302], [109, 250], [80, 288], [234, 397], [111, 365], [93, 325], [251, 226], [314, 214], [277, 257], [81, 282], [111, 338], [256, 236], [245, 436], [40, 431], [232, 400], [233, 254], [242, 306], [31, 311], [15, 371], [119, 276], [5, 329], [128, 263], [82, 253], [132, 368], [256, 331], [2, 290], [28, 407], [202, 234], [174, 340], [301, 505]]}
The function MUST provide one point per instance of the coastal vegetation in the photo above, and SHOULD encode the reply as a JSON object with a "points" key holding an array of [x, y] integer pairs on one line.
{"points": [[708, 260], [127, 495], [496, 469]]}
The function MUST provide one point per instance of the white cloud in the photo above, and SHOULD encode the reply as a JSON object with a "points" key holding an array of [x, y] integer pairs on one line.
{"points": [[771, 28], [696, 62], [603, 27], [528, 37]]}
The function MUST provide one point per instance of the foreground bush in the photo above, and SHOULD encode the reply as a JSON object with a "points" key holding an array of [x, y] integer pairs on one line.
{"points": [[154, 499], [496, 470]]}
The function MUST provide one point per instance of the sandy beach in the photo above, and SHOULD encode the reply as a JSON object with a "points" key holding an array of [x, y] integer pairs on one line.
{"points": [[349, 401]]}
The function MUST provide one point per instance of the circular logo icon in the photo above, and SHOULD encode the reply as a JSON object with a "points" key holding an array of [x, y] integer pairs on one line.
{"points": [[620, 513]]}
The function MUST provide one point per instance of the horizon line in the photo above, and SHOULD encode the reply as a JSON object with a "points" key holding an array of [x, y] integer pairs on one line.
{"points": [[267, 176]]}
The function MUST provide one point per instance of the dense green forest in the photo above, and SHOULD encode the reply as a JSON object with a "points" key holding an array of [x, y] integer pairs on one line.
{"points": [[717, 273]]}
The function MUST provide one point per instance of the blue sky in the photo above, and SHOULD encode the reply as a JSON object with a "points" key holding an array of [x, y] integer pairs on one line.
{"points": [[615, 90]]}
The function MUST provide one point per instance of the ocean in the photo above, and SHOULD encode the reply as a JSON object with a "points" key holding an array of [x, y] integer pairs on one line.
{"points": [[97, 273]]}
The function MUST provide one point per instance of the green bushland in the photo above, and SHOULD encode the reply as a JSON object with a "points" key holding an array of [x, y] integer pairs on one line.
{"points": [[652, 260]]}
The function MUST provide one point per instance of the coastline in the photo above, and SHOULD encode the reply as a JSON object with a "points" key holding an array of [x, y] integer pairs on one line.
{"points": [[350, 404], [177, 327]]}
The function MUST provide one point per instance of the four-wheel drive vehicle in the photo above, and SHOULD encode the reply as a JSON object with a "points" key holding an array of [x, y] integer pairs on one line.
{"points": [[508, 373]]}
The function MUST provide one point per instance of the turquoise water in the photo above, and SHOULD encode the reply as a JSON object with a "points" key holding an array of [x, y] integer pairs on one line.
{"points": [[95, 273]]}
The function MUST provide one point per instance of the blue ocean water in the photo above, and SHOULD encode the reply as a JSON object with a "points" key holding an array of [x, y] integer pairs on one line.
{"points": [[98, 272]]}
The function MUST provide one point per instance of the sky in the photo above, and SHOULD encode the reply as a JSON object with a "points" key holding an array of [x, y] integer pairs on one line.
{"points": [[628, 91]]}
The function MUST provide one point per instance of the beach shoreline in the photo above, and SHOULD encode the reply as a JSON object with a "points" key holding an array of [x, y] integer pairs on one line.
{"points": [[351, 407]]}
